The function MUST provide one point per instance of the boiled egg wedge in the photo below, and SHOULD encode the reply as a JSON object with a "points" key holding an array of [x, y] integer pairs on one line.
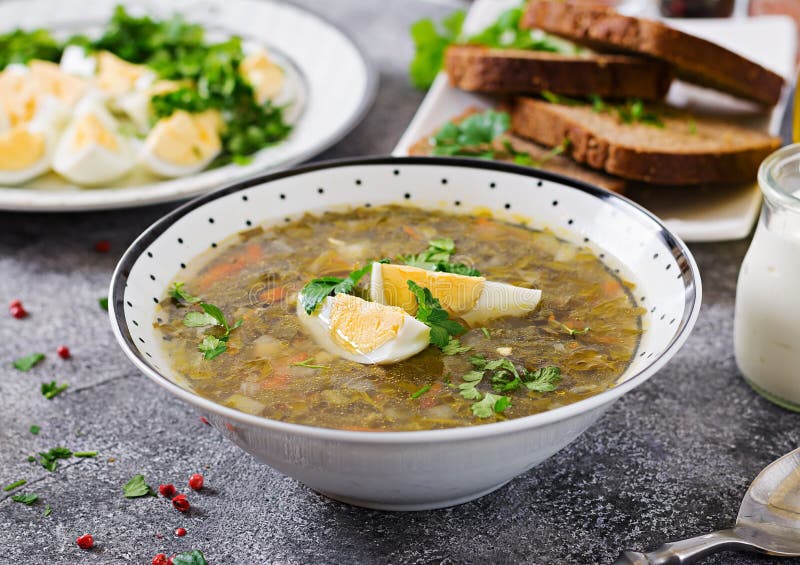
{"points": [[182, 144], [25, 153], [473, 299], [364, 332], [265, 76], [92, 151]]}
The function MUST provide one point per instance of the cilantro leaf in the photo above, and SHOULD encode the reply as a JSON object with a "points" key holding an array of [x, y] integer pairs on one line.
{"points": [[15, 484], [196, 319], [194, 557], [103, 302], [430, 43], [506, 33], [28, 362], [34, 429], [544, 379], [212, 347], [490, 405], [47, 510], [314, 292], [454, 347], [177, 292], [431, 313], [51, 390], [473, 135], [136, 488], [25, 498], [437, 258], [49, 459]]}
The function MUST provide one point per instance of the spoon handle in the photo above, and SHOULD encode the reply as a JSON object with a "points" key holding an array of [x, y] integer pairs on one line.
{"points": [[685, 551]]}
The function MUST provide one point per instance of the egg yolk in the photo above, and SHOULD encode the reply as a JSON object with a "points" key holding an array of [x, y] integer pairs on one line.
{"points": [[185, 139], [17, 98], [362, 326], [457, 293], [89, 130], [20, 149], [117, 76], [264, 76], [48, 78]]}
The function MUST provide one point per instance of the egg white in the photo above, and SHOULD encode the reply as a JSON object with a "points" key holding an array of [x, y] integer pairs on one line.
{"points": [[412, 337]]}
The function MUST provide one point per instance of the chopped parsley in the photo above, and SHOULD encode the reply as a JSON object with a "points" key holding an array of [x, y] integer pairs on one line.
{"points": [[211, 346], [454, 347], [421, 391], [103, 302], [431, 313], [554, 98], [28, 362], [177, 292], [634, 111], [85, 454], [571, 331], [486, 333], [137, 487], [25, 498], [15, 484], [319, 289], [437, 258], [47, 510], [49, 459], [20, 46], [194, 557], [34, 429], [504, 377], [308, 364], [51, 390], [431, 41]]}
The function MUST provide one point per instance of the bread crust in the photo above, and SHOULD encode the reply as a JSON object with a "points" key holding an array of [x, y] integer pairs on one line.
{"points": [[688, 150], [514, 71], [694, 59]]}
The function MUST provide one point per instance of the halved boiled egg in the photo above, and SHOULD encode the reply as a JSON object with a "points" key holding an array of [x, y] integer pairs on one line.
{"points": [[116, 76], [265, 76], [364, 332], [25, 153], [92, 151], [183, 143], [136, 104], [473, 299]]}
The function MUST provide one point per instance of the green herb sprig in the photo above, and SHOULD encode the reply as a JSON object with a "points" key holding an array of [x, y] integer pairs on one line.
{"points": [[211, 346], [28, 362], [137, 487], [314, 292], [437, 258], [25, 498], [51, 390], [431, 313]]}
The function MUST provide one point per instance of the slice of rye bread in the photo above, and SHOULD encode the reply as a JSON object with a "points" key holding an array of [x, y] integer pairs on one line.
{"points": [[686, 150], [695, 60], [517, 71], [555, 163]]}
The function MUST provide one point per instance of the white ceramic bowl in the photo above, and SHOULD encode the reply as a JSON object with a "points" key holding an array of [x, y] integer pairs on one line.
{"points": [[427, 469]]}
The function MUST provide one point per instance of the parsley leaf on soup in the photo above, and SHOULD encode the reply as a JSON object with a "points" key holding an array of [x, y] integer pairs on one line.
{"points": [[28, 362], [137, 487], [212, 347], [544, 379], [199, 319], [490, 405], [437, 258], [431, 313], [454, 347], [177, 292], [314, 292]]}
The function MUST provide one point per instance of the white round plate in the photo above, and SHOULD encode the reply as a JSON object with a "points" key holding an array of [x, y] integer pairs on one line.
{"points": [[336, 81]]}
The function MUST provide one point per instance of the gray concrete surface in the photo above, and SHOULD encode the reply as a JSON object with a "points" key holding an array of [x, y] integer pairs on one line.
{"points": [[670, 460]]}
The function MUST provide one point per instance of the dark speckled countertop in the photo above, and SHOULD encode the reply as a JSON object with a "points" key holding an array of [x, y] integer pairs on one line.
{"points": [[672, 459]]}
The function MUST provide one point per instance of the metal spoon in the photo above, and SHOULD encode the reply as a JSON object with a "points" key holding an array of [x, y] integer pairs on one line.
{"points": [[768, 522]]}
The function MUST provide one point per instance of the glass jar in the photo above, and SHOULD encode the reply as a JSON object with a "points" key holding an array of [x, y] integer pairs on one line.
{"points": [[766, 328]]}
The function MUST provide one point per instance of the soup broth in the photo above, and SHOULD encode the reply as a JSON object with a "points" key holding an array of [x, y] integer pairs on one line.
{"points": [[586, 324]]}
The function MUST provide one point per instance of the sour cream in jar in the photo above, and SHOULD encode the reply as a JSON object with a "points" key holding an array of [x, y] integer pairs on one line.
{"points": [[767, 322]]}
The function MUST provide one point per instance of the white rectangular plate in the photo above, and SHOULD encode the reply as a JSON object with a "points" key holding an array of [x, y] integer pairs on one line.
{"points": [[718, 214]]}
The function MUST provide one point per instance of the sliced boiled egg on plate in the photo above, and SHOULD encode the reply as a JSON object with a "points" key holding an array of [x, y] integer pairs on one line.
{"points": [[183, 143], [25, 153], [136, 104], [473, 299], [92, 151], [364, 332], [77, 62], [265, 76], [116, 76]]}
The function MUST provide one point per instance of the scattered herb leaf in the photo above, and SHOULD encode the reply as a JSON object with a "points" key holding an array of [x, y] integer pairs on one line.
{"points": [[545, 379], [598, 105], [692, 127], [34, 429], [15, 484], [194, 557], [51, 390], [212, 347], [196, 319], [314, 292], [25, 498], [431, 313], [47, 510], [421, 391], [490, 405], [486, 333], [430, 41], [308, 364], [177, 292], [554, 98], [136, 488], [572, 331], [49, 459], [103, 302], [454, 347], [85, 454], [437, 258], [28, 362]]}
